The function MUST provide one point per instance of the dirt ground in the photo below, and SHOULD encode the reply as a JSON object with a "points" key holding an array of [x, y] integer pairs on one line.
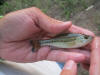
{"points": [[89, 18]]}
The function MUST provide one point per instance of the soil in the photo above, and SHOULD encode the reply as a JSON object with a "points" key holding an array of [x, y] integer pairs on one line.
{"points": [[89, 18]]}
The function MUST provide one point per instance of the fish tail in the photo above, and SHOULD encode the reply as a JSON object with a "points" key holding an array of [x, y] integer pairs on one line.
{"points": [[36, 45]]}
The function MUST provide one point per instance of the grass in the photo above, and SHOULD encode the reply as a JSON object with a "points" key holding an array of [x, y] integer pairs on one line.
{"points": [[69, 7], [12, 5]]}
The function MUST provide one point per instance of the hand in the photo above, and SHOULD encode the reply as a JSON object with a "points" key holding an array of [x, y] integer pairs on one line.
{"points": [[70, 67], [18, 28], [95, 57]]}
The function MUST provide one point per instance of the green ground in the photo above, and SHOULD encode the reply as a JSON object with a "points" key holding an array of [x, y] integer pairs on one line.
{"points": [[68, 7]]}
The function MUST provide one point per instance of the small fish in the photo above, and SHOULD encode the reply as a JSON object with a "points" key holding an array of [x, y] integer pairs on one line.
{"points": [[65, 41]]}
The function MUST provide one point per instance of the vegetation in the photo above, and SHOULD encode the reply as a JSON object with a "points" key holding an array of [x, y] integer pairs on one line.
{"points": [[69, 7], [2, 1]]}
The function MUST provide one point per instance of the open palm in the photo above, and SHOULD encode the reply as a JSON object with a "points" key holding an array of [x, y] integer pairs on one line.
{"points": [[18, 28]]}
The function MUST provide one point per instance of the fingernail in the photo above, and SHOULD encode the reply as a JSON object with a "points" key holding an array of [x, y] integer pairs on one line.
{"points": [[69, 65]]}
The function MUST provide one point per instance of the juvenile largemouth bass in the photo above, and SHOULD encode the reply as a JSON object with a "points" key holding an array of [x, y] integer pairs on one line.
{"points": [[65, 41]]}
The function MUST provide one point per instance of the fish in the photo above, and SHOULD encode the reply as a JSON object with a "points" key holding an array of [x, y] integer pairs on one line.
{"points": [[67, 40]]}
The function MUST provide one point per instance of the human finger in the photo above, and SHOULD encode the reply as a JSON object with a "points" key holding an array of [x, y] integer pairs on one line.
{"points": [[62, 56], [85, 66], [82, 51], [70, 68], [95, 57], [77, 29], [49, 24]]}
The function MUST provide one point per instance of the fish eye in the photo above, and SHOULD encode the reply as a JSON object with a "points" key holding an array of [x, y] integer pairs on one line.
{"points": [[86, 37]]}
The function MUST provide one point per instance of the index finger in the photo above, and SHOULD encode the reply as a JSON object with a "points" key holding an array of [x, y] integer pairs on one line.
{"points": [[70, 68], [77, 29], [95, 57]]}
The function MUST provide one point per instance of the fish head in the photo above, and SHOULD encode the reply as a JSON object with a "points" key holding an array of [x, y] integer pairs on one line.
{"points": [[83, 40]]}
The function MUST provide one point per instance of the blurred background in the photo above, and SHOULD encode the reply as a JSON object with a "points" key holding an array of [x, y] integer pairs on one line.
{"points": [[84, 13]]}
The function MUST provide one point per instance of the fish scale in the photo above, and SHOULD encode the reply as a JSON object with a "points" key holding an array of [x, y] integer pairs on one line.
{"points": [[66, 41]]}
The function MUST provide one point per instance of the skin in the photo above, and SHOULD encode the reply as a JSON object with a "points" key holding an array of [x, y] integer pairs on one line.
{"points": [[70, 68], [19, 27], [94, 62]]}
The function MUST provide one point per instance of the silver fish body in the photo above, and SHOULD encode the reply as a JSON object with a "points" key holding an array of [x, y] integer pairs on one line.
{"points": [[67, 41]]}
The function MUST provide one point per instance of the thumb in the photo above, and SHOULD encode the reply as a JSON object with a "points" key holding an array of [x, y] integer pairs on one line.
{"points": [[51, 25], [70, 68]]}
